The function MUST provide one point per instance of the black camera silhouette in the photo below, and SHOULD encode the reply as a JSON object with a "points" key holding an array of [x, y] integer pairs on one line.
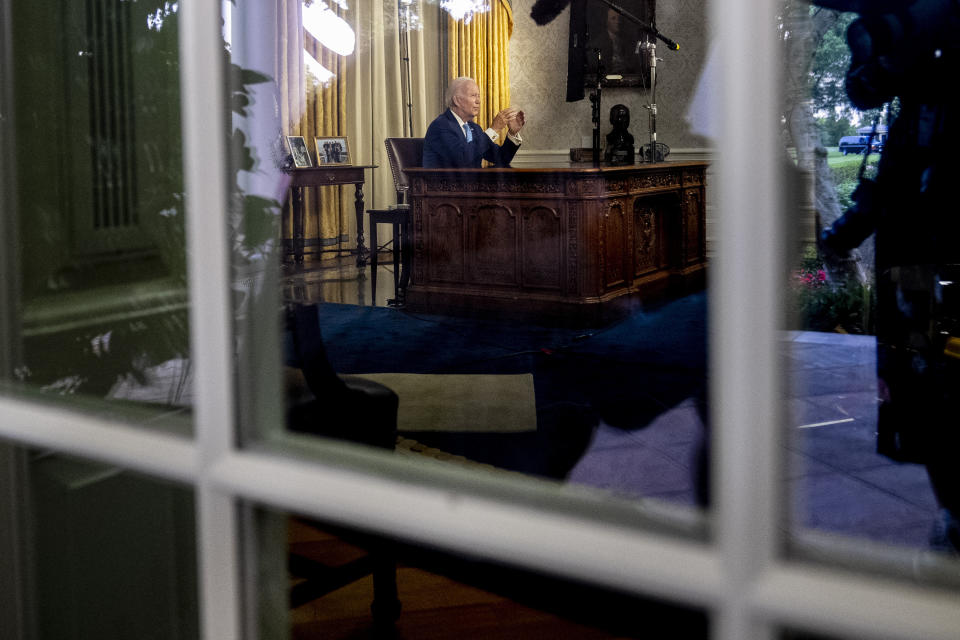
{"points": [[898, 48]]}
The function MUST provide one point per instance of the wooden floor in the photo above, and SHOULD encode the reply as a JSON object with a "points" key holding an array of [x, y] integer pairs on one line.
{"points": [[434, 606]]}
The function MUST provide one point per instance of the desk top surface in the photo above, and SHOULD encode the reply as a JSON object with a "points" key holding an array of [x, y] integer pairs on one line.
{"points": [[331, 167], [572, 170]]}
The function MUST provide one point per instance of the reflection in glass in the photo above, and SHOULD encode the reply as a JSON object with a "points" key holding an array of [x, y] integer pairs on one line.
{"points": [[328, 28], [100, 302], [343, 583], [465, 10], [100, 552], [872, 360], [550, 321], [792, 634]]}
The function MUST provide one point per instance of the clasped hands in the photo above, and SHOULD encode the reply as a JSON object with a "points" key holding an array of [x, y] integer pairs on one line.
{"points": [[510, 118]]}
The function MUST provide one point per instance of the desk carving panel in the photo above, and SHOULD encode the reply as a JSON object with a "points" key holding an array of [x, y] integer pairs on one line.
{"points": [[555, 240]]}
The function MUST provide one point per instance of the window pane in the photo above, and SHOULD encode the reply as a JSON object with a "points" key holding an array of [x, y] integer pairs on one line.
{"points": [[342, 583], [95, 551], [792, 634], [873, 312], [547, 319], [95, 297]]}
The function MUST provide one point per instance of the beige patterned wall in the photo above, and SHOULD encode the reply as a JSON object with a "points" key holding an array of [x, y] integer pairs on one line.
{"points": [[538, 76]]}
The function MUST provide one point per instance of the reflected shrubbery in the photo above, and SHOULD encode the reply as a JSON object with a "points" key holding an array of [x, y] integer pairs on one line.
{"points": [[846, 176], [99, 316], [816, 303]]}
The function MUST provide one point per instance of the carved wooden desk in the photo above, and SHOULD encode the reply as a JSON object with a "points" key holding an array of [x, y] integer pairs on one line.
{"points": [[555, 240], [334, 174]]}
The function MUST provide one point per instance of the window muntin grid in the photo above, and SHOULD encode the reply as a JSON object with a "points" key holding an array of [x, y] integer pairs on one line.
{"points": [[747, 588]]}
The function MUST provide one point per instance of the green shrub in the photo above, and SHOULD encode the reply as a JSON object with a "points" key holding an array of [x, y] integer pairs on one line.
{"points": [[845, 178], [815, 303], [845, 171], [845, 194]]}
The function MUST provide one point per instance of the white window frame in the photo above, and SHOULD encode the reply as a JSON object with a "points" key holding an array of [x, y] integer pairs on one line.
{"points": [[740, 578]]}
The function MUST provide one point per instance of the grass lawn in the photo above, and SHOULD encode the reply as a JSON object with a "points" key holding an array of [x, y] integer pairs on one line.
{"points": [[837, 159]]}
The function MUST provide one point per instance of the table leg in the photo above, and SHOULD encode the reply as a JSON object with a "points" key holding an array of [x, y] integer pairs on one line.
{"points": [[361, 249], [373, 263], [298, 240]]}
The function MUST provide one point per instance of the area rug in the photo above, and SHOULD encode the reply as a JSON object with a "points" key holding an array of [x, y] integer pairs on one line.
{"points": [[462, 402], [624, 375]]}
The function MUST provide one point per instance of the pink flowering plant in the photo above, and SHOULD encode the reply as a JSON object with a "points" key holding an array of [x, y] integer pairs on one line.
{"points": [[812, 278], [817, 303]]}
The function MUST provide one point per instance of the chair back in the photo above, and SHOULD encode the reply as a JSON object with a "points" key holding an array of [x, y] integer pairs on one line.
{"points": [[403, 153]]}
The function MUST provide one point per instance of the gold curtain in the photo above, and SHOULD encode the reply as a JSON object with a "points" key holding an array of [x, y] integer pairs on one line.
{"points": [[310, 109], [480, 49], [376, 101]]}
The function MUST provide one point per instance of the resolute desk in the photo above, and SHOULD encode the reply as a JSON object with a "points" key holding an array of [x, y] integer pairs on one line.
{"points": [[557, 241]]}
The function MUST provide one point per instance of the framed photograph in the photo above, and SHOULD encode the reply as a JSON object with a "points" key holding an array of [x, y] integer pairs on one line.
{"points": [[332, 151], [299, 151], [596, 27]]}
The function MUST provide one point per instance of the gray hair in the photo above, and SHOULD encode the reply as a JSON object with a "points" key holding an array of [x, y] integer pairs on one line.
{"points": [[454, 88]]}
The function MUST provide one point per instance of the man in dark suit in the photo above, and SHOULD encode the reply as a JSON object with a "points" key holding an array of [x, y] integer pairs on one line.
{"points": [[455, 141]]}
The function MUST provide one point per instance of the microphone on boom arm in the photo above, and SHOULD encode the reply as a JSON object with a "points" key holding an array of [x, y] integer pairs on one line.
{"points": [[673, 46], [546, 11]]}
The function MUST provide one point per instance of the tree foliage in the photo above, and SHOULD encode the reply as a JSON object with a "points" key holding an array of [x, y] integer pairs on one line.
{"points": [[828, 71], [803, 30], [834, 128], [827, 88]]}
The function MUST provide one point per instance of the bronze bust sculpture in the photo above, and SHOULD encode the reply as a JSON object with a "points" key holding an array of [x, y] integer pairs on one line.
{"points": [[619, 150]]}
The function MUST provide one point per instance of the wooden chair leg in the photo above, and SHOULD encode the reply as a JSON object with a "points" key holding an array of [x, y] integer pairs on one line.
{"points": [[386, 603], [396, 261], [374, 251]]}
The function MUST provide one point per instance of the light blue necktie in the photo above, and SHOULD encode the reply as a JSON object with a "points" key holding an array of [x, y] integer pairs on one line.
{"points": [[466, 130]]}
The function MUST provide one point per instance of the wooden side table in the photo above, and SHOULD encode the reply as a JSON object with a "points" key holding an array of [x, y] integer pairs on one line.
{"points": [[327, 175]]}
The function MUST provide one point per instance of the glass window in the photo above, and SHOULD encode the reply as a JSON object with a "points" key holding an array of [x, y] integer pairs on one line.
{"points": [[95, 303], [113, 553], [547, 319], [317, 580], [871, 301], [791, 634], [544, 324]]}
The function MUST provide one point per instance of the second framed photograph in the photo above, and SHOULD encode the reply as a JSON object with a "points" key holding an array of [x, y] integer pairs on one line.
{"points": [[332, 151], [299, 151]]}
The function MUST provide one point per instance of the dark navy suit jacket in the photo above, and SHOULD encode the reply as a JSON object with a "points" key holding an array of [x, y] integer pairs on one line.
{"points": [[445, 146]]}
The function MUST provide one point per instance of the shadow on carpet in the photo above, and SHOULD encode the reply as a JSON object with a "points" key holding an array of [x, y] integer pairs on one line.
{"points": [[625, 374]]}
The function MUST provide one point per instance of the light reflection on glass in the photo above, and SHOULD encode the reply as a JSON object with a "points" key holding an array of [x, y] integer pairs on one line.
{"points": [[464, 9], [317, 71], [155, 19], [328, 28], [409, 19]]}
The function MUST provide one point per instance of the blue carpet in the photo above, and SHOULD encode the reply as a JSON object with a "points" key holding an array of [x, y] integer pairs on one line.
{"points": [[621, 408], [625, 374]]}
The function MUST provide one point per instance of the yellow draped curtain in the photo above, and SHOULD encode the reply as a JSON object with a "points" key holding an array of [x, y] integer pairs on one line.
{"points": [[311, 109], [376, 100], [480, 49]]}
